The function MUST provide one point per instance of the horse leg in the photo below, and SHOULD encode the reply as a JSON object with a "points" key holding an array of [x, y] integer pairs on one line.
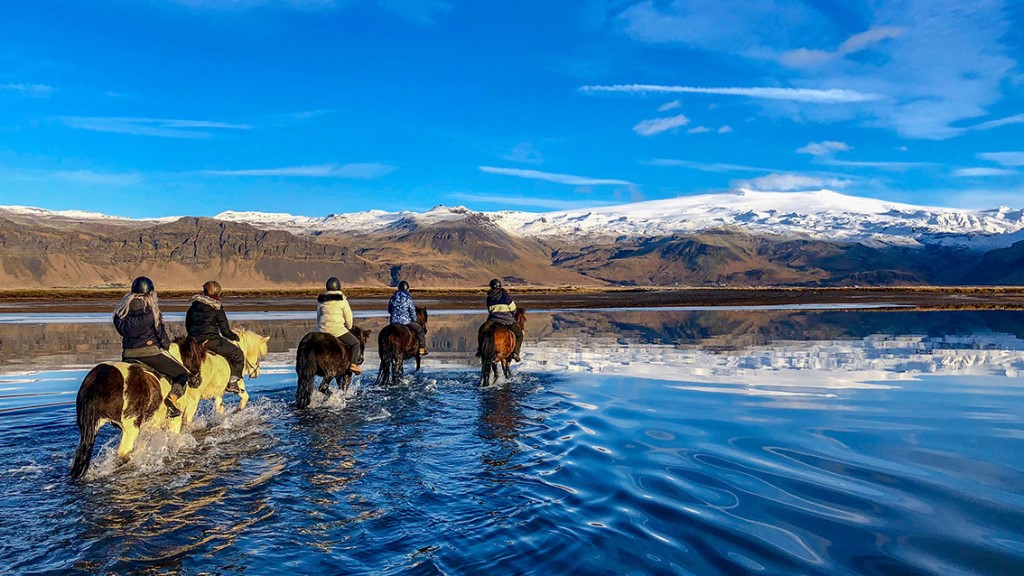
{"points": [[417, 362], [504, 368], [218, 404], [346, 380], [243, 395], [129, 433], [325, 385]]}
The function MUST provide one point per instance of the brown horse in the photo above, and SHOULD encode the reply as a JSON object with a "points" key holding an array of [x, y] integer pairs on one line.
{"points": [[131, 397], [324, 355], [395, 344], [497, 342]]}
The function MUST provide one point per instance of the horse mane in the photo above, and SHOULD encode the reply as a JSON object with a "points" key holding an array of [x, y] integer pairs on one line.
{"points": [[521, 316], [421, 315], [193, 353]]}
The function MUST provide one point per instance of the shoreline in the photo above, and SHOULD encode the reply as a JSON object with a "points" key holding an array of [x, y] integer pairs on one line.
{"points": [[921, 298]]}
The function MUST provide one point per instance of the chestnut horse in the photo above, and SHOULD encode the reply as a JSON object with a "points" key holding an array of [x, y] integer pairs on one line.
{"points": [[497, 342], [324, 355], [395, 344]]}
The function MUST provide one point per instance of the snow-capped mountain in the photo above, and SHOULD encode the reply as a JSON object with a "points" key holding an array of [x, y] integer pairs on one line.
{"points": [[820, 215]]}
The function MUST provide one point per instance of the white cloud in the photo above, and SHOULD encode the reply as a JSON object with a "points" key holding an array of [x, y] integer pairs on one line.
{"points": [[698, 130], [557, 178], [357, 171], [829, 96], [705, 166], [1004, 158], [725, 129], [159, 127], [659, 125], [29, 90], [1015, 119], [550, 203], [789, 182], [525, 153], [669, 106], [823, 148], [803, 57], [98, 178], [880, 164], [977, 172]]}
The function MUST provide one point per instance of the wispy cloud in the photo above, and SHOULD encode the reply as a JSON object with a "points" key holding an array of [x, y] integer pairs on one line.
{"points": [[698, 130], [829, 96], [880, 164], [725, 129], [1015, 119], [659, 125], [158, 127], [556, 178], [669, 106], [981, 172], [549, 203], [1004, 158], [356, 171], [29, 90], [705, 166], [803, 57], [823, 148], [789, 182], [525, 153], [98, 178]]}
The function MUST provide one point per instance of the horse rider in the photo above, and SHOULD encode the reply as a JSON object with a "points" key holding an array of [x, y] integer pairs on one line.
{"points": [[144, 339], [334, 316], [403, 311], [501, 309], [206, 322]]}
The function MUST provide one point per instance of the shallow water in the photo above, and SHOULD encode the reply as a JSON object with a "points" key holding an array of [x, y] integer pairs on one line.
{"points": [[644, 442]]}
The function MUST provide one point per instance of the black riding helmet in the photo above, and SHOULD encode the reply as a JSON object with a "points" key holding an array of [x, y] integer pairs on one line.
{"points": [[403, 286], [142, 285], [495, 284], [333, 284]]}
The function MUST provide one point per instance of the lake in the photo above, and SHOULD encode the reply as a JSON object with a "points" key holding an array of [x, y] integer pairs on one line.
{"points": [[659, 441]]}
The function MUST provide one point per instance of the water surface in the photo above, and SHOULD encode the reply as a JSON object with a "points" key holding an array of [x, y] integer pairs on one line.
{"points": [[645, 442]]}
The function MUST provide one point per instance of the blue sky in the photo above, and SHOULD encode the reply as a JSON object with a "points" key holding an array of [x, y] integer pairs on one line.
{"points": [[170, 107]]}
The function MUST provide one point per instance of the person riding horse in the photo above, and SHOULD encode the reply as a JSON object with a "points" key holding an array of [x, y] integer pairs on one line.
{"points": [[144, 339], [403, 311], [334, 316], [206, 322], [501, 308]]}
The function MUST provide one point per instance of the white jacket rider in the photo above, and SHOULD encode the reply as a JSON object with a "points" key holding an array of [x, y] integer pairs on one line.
{"points": [[334, 316]]}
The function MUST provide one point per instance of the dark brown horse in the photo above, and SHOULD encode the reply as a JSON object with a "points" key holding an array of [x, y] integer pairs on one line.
{"points": [[497, 341], [395, 344], [131, 397], [322, 354]]}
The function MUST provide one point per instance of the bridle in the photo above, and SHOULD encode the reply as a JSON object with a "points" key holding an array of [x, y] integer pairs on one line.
{"points": [[253, 368]]}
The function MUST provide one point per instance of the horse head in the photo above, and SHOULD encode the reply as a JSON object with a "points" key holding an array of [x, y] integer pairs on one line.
{"points": [[362, 335], [521, 317], [254, 347], [421, 317]]}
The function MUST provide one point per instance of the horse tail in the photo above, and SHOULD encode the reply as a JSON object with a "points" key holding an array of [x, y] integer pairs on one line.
{"points": [[88, 414], [488, 352], [305, 368]]}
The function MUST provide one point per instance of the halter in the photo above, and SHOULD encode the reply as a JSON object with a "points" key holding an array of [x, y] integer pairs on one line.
{"points": [[252, 367]]}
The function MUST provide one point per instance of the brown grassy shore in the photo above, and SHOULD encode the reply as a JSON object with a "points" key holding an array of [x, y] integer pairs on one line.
{"points": [[919, 297]]}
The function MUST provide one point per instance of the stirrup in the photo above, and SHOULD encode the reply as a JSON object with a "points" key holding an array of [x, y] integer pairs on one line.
{"points": [[172, 409], [516, 357]]}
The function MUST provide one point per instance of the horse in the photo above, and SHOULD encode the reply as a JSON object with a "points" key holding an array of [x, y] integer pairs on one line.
{"points": [[324, 355], [130, 395], [216, 372], [395, 344], [497, 341]]}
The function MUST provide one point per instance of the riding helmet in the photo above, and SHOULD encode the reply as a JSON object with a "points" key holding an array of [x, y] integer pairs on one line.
{"points": [[333, 284], [212, 289], [495, 284], [403, 286], [142, 285]]}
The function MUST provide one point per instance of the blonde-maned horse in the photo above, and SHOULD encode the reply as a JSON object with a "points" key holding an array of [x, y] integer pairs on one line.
{"points": [[216, 372], [129, 396]]}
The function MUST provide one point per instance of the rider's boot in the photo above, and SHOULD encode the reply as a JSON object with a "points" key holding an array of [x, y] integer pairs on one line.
{"points": [[515, 353], [232, 386], [171, 401], [423, 351], [355, 368]]}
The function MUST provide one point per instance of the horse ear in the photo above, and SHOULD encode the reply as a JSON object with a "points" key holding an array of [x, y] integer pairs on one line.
{"points": [[265, 339]]}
